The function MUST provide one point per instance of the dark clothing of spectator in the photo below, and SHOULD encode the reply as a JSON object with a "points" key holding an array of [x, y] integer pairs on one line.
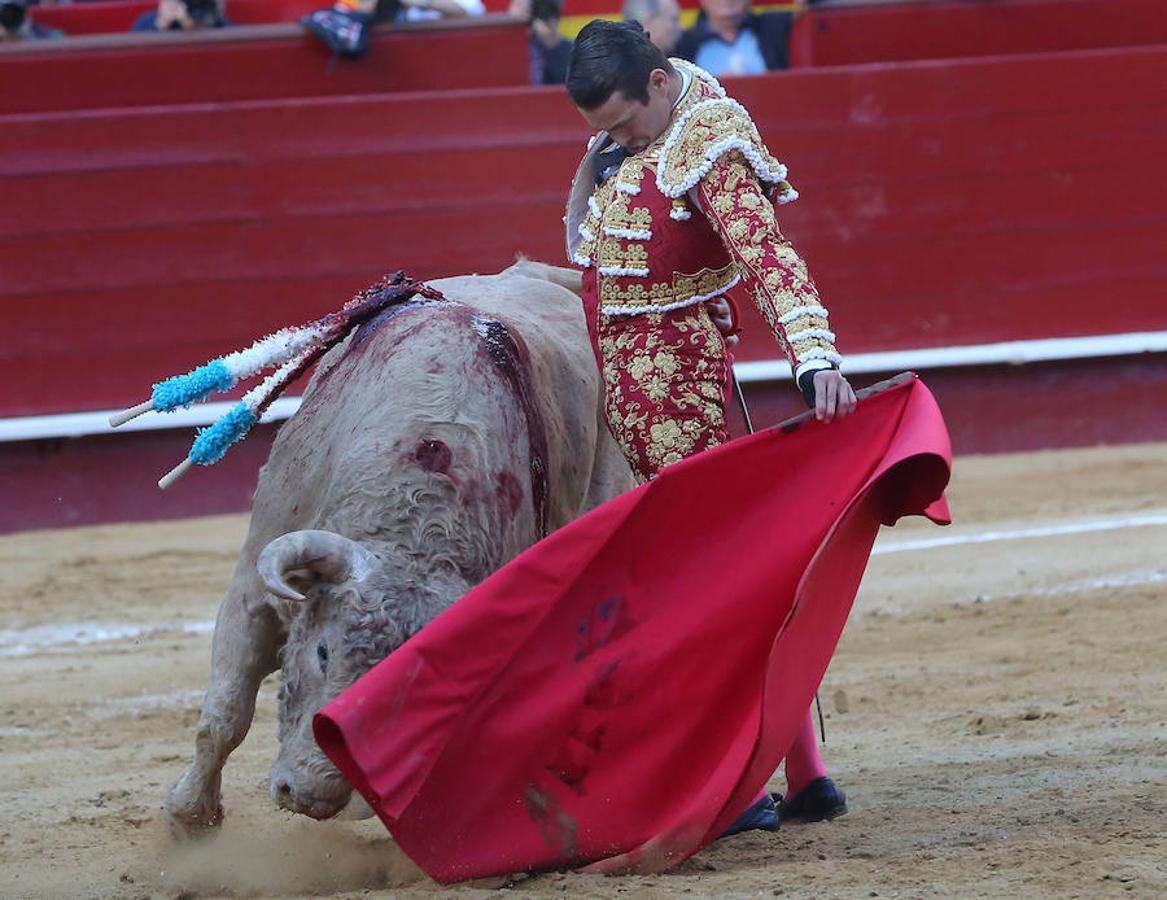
{"points": [[16, 23], [548, 64], [148, 21], [40, 32], [772, 31]]}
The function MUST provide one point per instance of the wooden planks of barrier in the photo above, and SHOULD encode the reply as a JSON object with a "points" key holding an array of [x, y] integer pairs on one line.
{"points": [[943, 204], [255, 63]]}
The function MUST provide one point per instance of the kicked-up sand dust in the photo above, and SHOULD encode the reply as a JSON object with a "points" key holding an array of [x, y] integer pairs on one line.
{"points": [[997, 713]]}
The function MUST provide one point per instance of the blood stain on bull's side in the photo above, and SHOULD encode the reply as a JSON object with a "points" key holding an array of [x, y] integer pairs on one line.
{"points": [[508, 351]]}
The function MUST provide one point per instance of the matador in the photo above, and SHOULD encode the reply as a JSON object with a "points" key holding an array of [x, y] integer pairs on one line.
{"points": [[672, 208]]}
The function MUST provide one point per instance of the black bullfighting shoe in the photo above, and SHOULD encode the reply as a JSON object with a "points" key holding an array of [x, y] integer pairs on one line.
{"points": [[821, 799], [344, 32], [762, 814]]}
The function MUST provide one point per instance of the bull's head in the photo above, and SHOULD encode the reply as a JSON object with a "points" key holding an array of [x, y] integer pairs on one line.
{"points": [[352, 607]]}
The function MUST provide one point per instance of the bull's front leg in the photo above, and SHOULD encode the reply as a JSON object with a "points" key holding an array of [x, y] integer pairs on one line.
{"points": [[244, 650]]}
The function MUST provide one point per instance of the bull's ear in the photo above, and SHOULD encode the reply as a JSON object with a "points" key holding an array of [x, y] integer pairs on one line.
{"points": [[293, 562]]}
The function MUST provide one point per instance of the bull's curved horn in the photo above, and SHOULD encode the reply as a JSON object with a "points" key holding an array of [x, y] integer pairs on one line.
{"points": [[326, 554]]}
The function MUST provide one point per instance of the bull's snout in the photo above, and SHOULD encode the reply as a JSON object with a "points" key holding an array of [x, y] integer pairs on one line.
{"points": [[323, 800], [282, 794]]}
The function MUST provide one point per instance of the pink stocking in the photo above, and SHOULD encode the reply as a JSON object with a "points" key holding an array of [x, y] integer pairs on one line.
{"points": [[803, 762]]}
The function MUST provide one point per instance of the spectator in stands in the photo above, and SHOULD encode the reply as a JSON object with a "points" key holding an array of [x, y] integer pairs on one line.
{"points": [[345, 26], [728, 39], [181, 15], [660, 18], [420, 10], [548, 50], [17, 25]]}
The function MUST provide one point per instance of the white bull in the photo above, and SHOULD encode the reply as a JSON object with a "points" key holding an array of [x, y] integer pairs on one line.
{"points": [[439, 441]]}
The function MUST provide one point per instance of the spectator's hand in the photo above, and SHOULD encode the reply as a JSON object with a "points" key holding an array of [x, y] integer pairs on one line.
{"points": [[721, 316], [546, 33], [833, 396], [171, 12]]}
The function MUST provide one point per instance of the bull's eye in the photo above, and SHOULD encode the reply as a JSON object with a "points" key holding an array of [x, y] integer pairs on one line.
{"points": [[322, 655]]}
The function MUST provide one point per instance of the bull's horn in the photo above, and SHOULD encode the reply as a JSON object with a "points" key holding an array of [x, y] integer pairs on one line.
{"points": [[326, 554]]}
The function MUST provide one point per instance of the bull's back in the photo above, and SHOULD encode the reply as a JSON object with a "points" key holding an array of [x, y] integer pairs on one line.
{"points": [[483, 405]]}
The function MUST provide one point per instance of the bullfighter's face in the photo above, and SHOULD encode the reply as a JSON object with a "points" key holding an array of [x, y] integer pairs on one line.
{"points": [[632, 124]]}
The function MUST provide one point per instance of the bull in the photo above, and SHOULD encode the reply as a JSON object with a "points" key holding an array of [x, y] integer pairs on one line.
{"points": [[440, 440]]}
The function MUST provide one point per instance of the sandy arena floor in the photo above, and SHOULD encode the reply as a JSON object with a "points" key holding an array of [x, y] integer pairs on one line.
{"points": [[997, 713]]}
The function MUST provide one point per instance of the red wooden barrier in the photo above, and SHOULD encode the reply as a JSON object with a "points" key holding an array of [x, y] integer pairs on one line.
{"points": [[910, 31], [282, 61], [832, 36], [116, 16], [264, 61], [113, 16], [111, 478], [943, 203]]}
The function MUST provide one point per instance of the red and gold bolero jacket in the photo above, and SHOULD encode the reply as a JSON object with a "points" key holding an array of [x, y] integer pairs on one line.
{"points": [[691, 217]]}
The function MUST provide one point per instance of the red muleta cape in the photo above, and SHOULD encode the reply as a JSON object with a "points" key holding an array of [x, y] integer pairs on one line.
{"points": [[621, 691]]}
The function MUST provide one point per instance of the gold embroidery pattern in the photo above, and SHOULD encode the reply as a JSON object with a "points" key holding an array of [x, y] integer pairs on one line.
{"points": [[621, 292], [623, 215], [630, 175], [617, 253], [603, 195], [619, 212], [707, 281], [718, 124], [666, 379], [774, 273]]}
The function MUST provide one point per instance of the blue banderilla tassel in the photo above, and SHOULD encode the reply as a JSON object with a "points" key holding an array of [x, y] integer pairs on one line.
{"points": [[195, 385], [213, 442]]}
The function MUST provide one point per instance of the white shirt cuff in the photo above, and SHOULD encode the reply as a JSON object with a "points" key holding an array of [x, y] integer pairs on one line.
{"points": [[811, 365]]}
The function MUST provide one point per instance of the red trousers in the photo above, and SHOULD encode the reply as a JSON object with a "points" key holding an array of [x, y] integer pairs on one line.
{"points": [[666, 380]]}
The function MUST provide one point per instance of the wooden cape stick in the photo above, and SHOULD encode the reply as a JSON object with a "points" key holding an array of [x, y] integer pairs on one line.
{"points": [[795, 422]]}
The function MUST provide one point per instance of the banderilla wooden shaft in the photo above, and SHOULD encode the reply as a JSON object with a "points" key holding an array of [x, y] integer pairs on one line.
{"points": [[132, 413]]}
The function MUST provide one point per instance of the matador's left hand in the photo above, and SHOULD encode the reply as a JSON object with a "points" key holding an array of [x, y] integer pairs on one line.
{"points": [[833, 396], [722, 317]]}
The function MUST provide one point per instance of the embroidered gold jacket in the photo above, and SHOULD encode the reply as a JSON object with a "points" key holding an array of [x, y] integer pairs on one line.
{"points": [[691, 217]]}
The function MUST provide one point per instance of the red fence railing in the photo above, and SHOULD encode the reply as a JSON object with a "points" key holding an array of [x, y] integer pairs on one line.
{"points": [[943, 203]]}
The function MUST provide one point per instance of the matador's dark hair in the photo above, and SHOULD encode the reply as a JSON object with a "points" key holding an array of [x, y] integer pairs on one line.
{"points": [[609, 57]]}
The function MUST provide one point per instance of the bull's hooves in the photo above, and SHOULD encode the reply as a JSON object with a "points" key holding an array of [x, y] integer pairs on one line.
{"points": [[188, 827]]}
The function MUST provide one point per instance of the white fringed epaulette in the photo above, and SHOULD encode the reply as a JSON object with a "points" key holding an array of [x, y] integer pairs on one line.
{"points": [[707, 130]]}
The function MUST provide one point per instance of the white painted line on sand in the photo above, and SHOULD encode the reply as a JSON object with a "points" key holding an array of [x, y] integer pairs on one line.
{"points": [[40, 638], [1082, 586], [147, 703], [987, 537]]}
